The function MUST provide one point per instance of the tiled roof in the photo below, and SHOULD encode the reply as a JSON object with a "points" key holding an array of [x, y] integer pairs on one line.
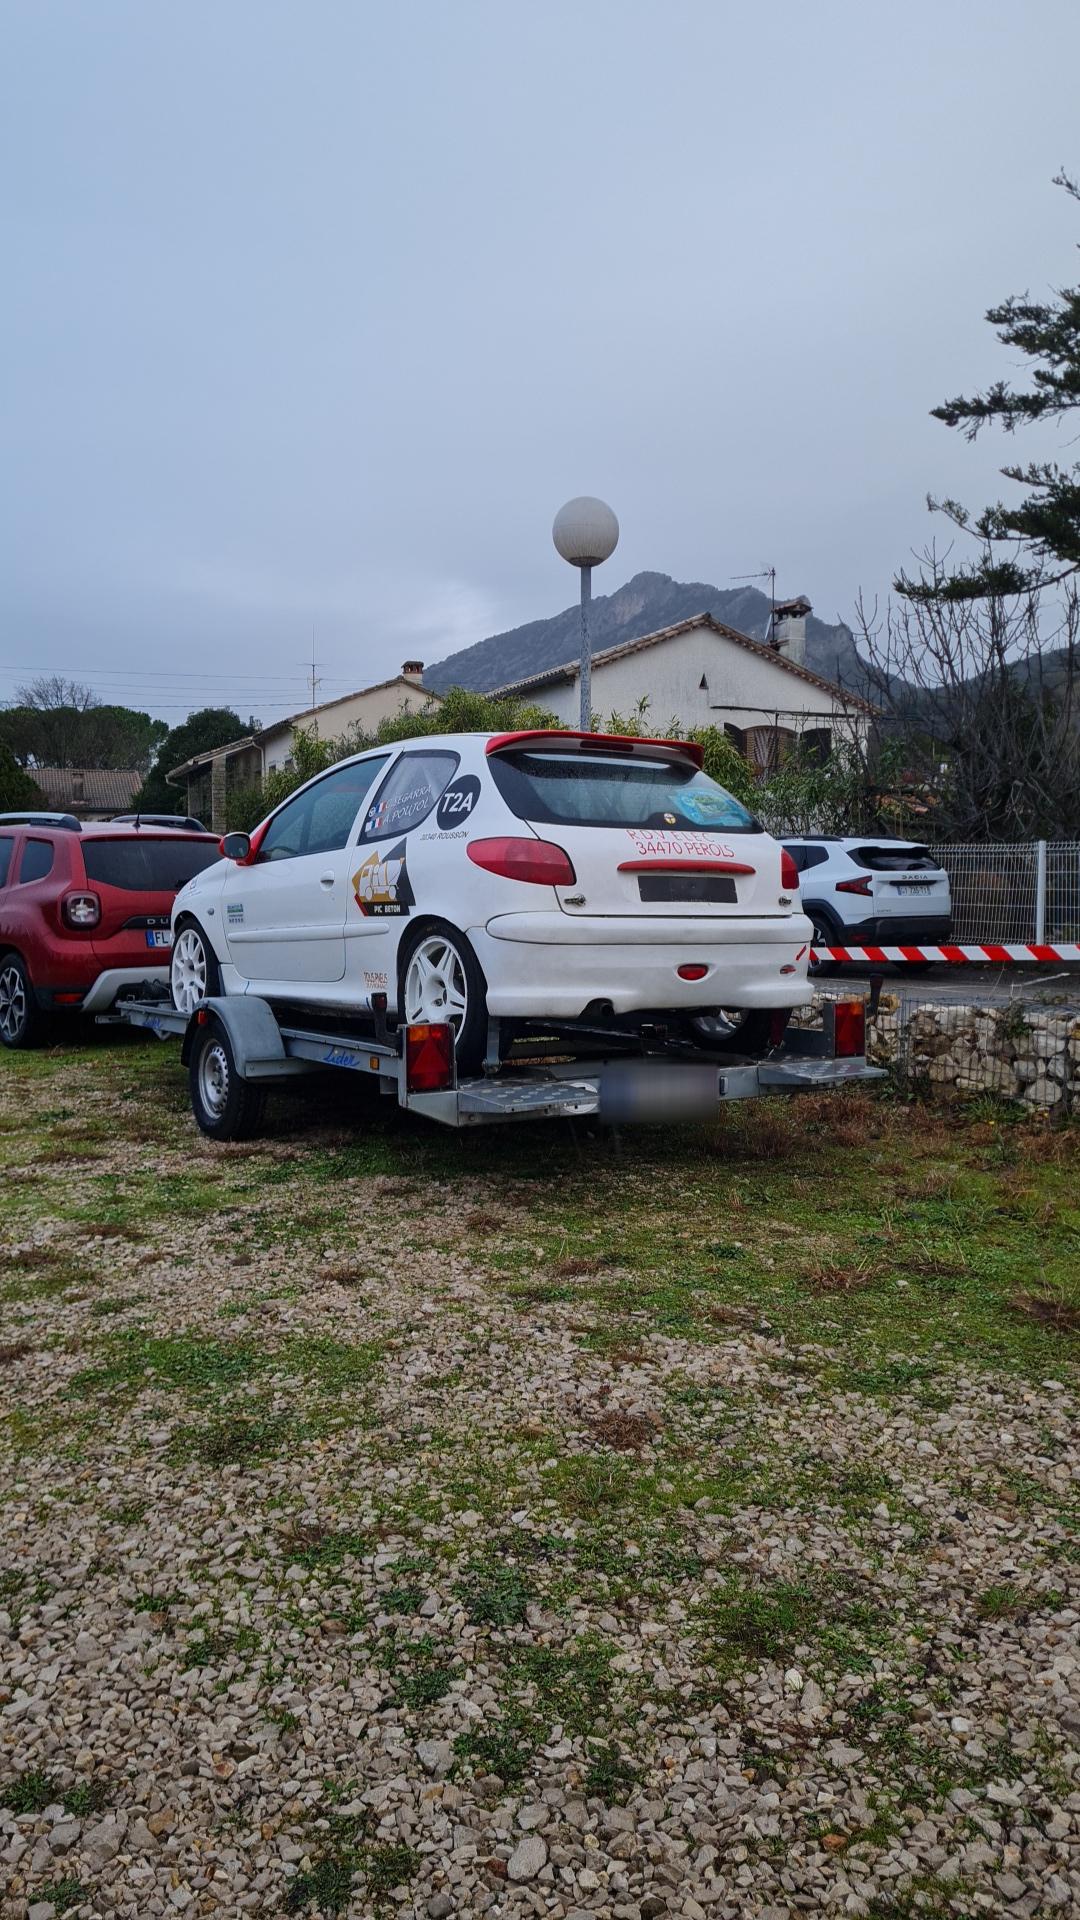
{"points": [[100, 788], [569, 668]]}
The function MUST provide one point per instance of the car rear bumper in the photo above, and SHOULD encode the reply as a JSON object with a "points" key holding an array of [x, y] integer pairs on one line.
{"points": [[897, 930], [100, 996], [540, 965]]}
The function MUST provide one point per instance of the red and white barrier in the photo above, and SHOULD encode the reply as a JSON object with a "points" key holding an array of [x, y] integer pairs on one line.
{"points": [[959, 956]]}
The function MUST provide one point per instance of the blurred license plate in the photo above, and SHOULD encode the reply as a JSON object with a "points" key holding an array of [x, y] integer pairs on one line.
{"points": [[913, 889], [159, 936]]}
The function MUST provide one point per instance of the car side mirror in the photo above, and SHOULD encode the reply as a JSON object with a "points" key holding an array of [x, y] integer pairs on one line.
{"points": [[236, 846]]}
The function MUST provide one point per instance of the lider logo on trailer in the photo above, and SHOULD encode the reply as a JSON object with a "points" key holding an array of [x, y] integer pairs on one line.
{"points": [[381, 884]]}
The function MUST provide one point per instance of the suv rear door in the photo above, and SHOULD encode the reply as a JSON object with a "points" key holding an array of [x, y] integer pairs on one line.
{"points": [[136, 876], [648, 833]]}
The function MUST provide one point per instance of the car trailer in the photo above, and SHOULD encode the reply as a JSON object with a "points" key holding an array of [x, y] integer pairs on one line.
{"points": [[234, 1047]]}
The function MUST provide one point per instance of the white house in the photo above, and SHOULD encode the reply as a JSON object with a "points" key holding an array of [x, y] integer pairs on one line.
{"points": [[700, 673], [209, 776]]}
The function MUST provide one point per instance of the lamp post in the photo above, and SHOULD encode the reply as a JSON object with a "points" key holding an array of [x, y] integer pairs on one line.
{"points": [[586, 533]]}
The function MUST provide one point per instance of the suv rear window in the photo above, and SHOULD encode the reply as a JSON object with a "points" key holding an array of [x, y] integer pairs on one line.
{"points": [[896, 859], [590, 789], [145, 865]]}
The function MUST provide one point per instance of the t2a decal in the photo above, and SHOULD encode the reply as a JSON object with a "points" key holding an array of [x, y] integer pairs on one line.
{"points": [[381, 884], [457, 803]]}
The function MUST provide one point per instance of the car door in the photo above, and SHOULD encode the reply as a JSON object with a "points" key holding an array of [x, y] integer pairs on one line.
{"points": [[383, 895], [285, 914]]}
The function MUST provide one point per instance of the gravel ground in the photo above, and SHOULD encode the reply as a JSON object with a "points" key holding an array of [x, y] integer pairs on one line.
{"points": [[398, 1525]]}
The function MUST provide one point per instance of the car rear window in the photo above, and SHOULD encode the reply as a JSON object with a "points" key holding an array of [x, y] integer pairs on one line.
{"points": [[147, 866], [896, 859], [590, 789]]}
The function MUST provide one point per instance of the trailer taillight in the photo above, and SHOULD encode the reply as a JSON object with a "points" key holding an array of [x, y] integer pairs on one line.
{"points": [[849, 1029], [429, 1058]]}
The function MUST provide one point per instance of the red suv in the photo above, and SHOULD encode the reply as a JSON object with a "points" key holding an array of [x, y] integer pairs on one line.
{"points": [[84, 912]]}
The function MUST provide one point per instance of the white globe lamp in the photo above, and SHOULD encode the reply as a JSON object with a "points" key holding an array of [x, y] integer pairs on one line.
{"points": [[586, 533]]}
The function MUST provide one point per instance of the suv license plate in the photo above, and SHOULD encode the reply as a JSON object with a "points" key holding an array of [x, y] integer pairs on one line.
{"points": [[925, 889], [159, 936]]}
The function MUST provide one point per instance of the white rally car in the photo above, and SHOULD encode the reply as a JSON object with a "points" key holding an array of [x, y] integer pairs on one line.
{"points": [[553, 876]]}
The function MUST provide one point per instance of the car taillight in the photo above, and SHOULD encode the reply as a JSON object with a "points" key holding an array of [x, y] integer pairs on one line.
{"points": [[855, 886], [81, 909], [429, 1057], [538, 861], [849, 1029], [789, 872]]}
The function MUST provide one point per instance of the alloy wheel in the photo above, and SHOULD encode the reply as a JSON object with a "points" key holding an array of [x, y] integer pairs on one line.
{"points": [[188, 977], [13, 1003], [436, 989]]}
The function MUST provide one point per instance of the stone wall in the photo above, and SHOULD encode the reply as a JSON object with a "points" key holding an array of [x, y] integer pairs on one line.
{"points": [[1018, 1052]]}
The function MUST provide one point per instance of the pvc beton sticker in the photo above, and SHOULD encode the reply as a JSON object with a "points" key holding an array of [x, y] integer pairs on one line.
{"points": [[381, 884]]}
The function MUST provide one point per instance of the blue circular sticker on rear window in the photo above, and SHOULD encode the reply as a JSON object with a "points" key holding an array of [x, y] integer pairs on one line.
{"points": [[457, 803]]}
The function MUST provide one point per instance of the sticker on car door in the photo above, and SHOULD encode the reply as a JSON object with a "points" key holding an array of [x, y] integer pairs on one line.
{"points": [[457, 802], [381, 884]]}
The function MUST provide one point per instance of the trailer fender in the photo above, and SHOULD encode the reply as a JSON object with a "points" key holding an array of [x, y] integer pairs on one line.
{"points": [[253, 1032]]}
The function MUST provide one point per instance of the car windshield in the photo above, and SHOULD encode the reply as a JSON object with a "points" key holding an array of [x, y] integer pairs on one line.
{"points": [[147, 866], [590, 789]]}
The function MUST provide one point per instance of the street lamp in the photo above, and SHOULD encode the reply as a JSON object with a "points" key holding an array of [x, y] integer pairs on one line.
{"points": [[586, 533]]}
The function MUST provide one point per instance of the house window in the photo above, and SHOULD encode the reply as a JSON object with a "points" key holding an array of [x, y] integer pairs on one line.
{"points": [[703, 685], [816, 744], [768, 747]]}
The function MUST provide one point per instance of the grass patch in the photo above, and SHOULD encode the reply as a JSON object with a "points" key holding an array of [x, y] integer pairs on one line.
{"points": [[494, 1593]]}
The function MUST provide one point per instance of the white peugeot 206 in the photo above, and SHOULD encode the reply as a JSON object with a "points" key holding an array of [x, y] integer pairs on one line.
{"points": [[566, 878]]}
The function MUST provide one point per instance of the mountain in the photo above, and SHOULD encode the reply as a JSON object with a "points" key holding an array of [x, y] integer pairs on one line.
{"points": [[647, 602]]}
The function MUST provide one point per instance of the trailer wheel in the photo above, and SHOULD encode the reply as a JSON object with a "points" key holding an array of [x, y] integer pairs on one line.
{"points": [[225, 1106]]}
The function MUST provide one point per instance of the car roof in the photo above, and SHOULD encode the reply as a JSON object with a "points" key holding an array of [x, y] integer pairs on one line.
{"points": [[844, 841]]}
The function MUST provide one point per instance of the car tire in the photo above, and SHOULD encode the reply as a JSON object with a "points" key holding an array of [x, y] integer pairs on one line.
{"points": [[824, 935], [22, 1023], [753, 1031], [194, 973], [455, 977], [225, 1106]]}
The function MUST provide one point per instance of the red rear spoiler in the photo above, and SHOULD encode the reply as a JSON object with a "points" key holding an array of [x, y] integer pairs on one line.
{"points": [[688, 748]]}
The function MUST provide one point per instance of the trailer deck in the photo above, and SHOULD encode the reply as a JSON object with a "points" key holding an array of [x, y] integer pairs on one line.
{"points": [[235, 1046]]}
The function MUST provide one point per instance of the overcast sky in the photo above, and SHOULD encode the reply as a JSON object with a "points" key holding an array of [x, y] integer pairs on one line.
{"points": [[315, 311]]}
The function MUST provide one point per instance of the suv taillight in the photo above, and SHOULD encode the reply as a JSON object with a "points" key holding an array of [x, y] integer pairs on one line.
{"points": [[535, 860], [81, 910], [855, 886], [789, 872]]}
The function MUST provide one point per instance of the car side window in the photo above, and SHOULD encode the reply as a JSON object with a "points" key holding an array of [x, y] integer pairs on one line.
{"points": [[6, 844], [408, 793], [814, 857], [321, 818], [36, 862]]}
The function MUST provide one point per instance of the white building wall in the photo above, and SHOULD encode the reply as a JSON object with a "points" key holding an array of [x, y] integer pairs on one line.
{"points": [[365, 709], [742, 688]]}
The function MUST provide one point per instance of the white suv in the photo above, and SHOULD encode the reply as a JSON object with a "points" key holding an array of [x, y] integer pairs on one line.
{"points": [[865, 892]]}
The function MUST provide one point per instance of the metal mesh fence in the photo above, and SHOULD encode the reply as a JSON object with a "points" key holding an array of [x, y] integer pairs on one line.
{"points": [[994, 892], [1063, 891], [1003, 892]]}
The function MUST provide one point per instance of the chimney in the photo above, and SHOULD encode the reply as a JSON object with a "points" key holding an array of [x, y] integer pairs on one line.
{"points": [[789, 628], [413, 670]]}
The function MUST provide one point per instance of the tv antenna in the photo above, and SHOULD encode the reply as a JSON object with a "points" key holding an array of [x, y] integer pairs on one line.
{"points": [[313, 677], [769, 574]]}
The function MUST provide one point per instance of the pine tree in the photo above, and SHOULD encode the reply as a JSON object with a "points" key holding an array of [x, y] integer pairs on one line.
{"points": [[1035, 543]]}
